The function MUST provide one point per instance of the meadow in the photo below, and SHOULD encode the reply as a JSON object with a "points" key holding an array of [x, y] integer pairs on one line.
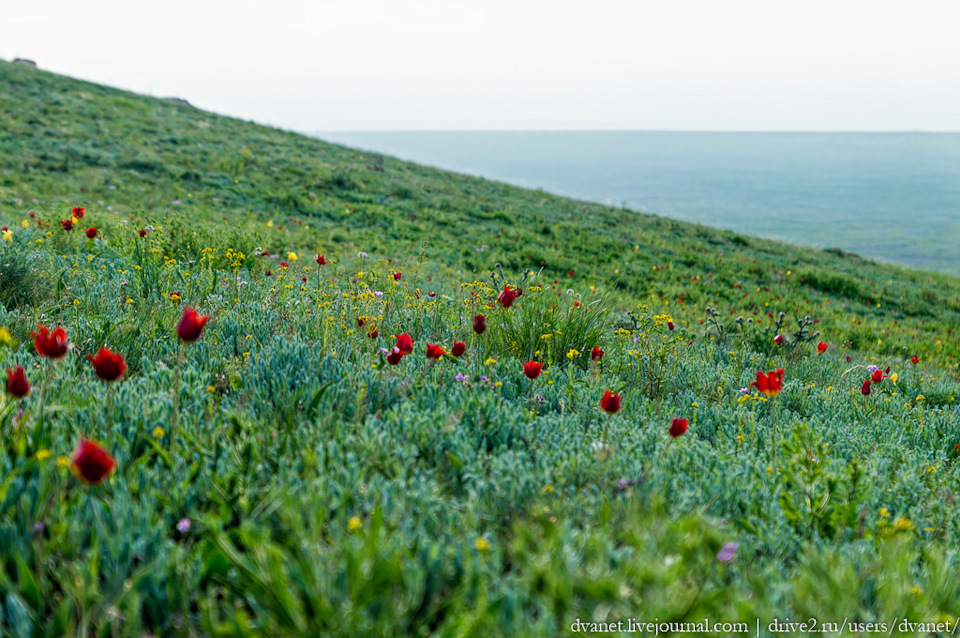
{"points": [[339, 449]]}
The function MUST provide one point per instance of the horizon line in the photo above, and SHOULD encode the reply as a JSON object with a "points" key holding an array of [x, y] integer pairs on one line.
{"points": [[637, 130]]}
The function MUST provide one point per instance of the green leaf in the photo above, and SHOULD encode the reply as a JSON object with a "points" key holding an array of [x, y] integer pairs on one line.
{"points": [[28, 584]]}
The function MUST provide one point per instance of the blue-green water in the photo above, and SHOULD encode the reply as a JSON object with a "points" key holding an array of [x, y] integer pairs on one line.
{"points": [[891, 196]]}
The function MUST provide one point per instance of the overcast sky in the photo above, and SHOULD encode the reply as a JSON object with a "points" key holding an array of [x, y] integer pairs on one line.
{"points": [[324, 65]]}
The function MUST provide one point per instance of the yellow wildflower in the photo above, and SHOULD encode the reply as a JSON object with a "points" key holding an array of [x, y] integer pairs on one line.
{"points": [[354, 524], [903, 524]]}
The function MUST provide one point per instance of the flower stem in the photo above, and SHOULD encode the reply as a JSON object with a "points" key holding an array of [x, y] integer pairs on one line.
{"points": [[176, 393], [773, 436], [47, 380], [110, 393]]}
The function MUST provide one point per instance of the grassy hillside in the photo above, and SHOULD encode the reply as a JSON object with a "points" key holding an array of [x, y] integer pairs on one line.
{"points": [[66, 142], [280, 476]]}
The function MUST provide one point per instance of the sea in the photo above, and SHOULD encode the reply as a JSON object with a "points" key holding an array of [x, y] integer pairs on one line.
{"points": [[894, 197]]}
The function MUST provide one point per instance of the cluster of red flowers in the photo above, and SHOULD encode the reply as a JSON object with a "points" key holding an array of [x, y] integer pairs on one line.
{"points": [[611, 402], [875, 378], [404, 347], [91, 462], [75, 216]]}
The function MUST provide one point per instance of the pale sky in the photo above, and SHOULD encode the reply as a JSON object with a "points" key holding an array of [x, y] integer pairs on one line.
{"points": [[326, 65]]}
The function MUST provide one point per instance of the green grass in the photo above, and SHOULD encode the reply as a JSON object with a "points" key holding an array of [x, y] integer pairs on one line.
{"points": [[330, 493]]}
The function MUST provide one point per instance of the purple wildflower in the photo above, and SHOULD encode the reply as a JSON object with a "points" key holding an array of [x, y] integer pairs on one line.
{"points": [[728, 551]]}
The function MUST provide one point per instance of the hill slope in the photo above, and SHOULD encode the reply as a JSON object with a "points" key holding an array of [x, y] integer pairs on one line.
{"points": [[65, 141], [286, 469]]}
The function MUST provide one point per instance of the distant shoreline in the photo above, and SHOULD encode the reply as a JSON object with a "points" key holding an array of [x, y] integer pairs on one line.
{"points": [[891, 196]]}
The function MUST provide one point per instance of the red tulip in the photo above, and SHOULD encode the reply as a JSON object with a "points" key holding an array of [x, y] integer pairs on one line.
{"points": [[670, 325], [191, 325], [52, 345], [396, 276], [434, 351], [91, 463], [865, 388], [610, 403], [532, 369], [17, 384], [143, 233], [67, 224], [394, 357], [78, 212], [374, 333], [770, 384], [507, 296], [479, 324], [778, 340], [361, 321], [108, 365], [405, 343], [877, 376], [458, 349], [678, 427], [914, 359], [284, 264], [597, 354], [821, 348], [92, 233], [321, 261]]}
